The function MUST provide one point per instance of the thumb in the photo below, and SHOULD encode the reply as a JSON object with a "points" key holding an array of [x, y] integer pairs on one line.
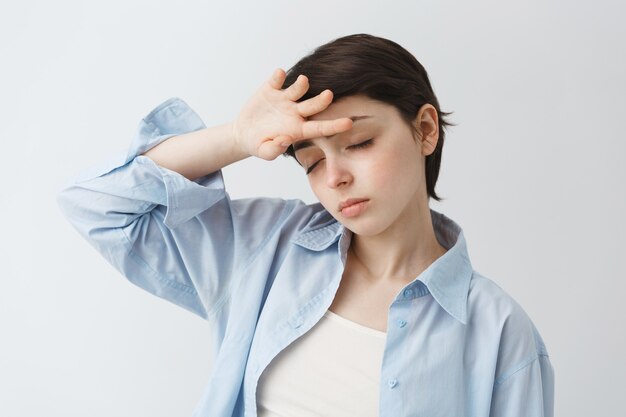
{"points": [[272, 148], [283, 140]]}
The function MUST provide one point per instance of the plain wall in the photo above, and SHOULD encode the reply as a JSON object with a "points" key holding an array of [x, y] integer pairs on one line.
{"points": [[533, 172]]}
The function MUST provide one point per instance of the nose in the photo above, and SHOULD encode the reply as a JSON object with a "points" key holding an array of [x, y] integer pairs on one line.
{"points": [[337, 173]]}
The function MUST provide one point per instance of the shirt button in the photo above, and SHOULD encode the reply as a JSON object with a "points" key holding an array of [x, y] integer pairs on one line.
{"points": [[408, 292], [392, 383], [401, 323]]}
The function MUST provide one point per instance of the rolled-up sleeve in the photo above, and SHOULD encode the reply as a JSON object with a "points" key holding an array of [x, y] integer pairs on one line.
{"points": [[171, 236]]}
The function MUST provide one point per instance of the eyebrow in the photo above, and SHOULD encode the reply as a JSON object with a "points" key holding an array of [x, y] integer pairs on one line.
{"points": [[307, 143]]}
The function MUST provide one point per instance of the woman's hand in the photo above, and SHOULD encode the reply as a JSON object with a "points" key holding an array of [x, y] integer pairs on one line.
{"points": [[272, 120]]}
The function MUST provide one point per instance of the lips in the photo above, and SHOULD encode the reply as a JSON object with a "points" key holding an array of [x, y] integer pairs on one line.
{"points": [[350, 202]]}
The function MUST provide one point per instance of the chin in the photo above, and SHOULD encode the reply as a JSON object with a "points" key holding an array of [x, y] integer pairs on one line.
{"points": [[362, 227]]}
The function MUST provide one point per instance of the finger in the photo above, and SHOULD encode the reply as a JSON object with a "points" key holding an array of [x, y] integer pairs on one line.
{"points": [[283, 141], [298, 88], [317, 128], [277, 79], [315, 104], [270, 149]]}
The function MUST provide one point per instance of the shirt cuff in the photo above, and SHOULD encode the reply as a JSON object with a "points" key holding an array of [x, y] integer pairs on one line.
{"points": [[184, 198]]}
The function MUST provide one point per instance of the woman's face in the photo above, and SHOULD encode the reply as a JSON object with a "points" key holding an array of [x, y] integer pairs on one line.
{"points": [[377, 159]]}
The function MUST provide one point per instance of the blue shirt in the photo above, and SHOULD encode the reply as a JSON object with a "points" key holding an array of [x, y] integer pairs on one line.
{"points": [[263, 271]]}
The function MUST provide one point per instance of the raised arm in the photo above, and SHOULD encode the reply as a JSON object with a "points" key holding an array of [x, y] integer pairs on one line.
{"points": [[197, 154], [159, 213], [270, 121]]}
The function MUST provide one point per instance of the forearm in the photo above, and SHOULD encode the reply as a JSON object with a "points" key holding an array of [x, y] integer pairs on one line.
{"points": [[198, 153]]}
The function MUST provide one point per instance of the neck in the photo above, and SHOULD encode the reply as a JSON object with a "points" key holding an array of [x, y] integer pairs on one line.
{"points": [[401, 252]]}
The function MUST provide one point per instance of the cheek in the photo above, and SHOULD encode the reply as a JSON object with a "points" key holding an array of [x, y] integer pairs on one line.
{"points": [[381, 173], [392, 171]]}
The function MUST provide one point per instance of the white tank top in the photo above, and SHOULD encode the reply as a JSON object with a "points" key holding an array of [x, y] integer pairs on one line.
{"points": [[332, 370]]}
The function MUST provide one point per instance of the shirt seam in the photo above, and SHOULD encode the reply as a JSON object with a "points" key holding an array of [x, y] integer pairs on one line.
{"points": [[520, 367]]}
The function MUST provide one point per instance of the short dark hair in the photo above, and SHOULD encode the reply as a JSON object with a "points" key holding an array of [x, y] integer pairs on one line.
{"points": [[381, 70]]}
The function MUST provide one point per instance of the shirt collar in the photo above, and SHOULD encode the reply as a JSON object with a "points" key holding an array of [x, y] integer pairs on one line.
{"points": [[447, 279]]}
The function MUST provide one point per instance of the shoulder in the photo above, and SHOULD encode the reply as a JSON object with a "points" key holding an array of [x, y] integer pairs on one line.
{"points": [[280, 212], [487, 298], [290, 220], [317, 216], [299, 217], [499, 317]]}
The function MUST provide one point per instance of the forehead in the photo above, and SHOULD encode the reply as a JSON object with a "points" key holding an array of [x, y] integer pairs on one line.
{"points": [[358, 105], [361, 109]]}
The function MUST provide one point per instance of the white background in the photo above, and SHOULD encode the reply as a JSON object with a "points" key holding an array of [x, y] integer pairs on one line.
{"points": [[534, 173]]}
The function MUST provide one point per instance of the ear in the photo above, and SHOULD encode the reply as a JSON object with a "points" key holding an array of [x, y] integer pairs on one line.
{"points": [[427, 123]]}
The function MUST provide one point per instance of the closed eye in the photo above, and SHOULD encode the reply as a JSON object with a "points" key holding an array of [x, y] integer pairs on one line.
{"points": [[361, 145]]}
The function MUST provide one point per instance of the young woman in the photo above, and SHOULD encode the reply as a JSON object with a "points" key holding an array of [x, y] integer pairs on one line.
{"points": [[364, 304]]}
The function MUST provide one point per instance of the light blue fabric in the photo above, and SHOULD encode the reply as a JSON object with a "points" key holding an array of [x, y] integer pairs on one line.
{"points": [[264, 270]]}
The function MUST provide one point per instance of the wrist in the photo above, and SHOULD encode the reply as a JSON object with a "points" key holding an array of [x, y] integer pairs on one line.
{"points": [[236, 148]]}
